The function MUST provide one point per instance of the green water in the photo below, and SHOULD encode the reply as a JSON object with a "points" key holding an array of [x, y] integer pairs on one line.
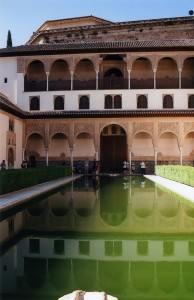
{"points": [[121, 235]]}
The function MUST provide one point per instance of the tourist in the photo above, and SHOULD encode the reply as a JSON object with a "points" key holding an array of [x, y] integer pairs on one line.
{"points": [[132, 168], [124, 167], [142, 167], [3, 165]]}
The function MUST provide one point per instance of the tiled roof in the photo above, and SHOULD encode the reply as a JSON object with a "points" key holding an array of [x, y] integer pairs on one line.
{"points": [[8, 106], [75, 47]]}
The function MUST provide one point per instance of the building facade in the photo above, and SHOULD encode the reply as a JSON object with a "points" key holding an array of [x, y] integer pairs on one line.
{"points": [[86, 88]]}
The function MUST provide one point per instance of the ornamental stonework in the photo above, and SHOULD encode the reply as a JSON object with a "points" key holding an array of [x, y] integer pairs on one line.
{"points": [[35, 128], [188, 127], [84, 127], [59, 128], [147, 127], [168, 127]]}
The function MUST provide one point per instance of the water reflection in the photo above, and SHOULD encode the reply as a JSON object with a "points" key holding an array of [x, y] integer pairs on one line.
{"points": [[122, 235]]}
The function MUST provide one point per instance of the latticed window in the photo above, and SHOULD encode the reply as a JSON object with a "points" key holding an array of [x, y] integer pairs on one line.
{"points": [[191, 101], [168, 101], [59, 103], [142, 101], [35, 103], [84, 102], [117, 101], [108, 102]]}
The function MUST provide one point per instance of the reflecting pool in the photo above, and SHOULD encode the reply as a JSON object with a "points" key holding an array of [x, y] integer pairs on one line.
{"points": [[122, 235]]}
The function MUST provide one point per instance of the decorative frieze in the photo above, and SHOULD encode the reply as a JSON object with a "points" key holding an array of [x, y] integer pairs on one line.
{"points": [[168, 127], [84, 127], [143, 127]]}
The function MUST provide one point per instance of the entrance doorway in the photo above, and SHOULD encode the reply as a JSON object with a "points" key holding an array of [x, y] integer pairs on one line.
{"points": [[113, 148], [10, 158]]}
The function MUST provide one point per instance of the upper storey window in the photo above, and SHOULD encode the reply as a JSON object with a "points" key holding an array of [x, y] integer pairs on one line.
{"points": [[167, 101], [34, 103], [84, 102], [142, 101], [191, 101], [11, 125], [113, 102], [59, 103]]}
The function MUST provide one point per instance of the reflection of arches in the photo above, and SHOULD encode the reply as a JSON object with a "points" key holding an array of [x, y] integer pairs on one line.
{"points": [[113, 148], [10, 158], [168, 275], [111, 272], [59, 271], [85, 273], [142, 274], [59, 203], [37, 209], [168, 205], [167, 75], [35, 270], [188, 275]]}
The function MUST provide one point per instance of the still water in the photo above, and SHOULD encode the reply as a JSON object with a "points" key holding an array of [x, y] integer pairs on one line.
{"points": [[122, 235]]}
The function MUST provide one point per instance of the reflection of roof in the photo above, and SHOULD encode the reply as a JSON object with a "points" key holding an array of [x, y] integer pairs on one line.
{"points": [[99, 47]]}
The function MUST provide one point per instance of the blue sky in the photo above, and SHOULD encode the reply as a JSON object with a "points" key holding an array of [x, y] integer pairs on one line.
{"points": [[22, 17]]}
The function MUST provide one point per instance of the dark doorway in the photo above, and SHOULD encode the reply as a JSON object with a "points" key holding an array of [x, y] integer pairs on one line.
{"points": [[113, 149]]}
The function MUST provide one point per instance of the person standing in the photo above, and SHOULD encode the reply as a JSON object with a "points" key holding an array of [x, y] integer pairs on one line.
{"points": [[3, 165], [143, 167]]}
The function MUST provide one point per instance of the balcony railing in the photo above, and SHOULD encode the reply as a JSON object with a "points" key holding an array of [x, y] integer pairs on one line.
{"points": [[60, 85], [35, 86]]}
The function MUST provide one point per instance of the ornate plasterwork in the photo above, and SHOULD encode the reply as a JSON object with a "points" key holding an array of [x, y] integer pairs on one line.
{"points": [[84, 127], [59, 128], [147, 127], [35, 128], [168, 127], [188, 127]]}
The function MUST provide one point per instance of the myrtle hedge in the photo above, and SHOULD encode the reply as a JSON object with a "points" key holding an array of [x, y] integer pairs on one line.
{"points": [[16, 179], [180, 174]]}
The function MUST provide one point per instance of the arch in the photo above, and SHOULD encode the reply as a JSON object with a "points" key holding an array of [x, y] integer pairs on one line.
{"points": [[167, 75], [84, 102], [142, 146], [168, 275], [10, 158], [84, 146], [59, 77], [117, 102], [142, 275], [108, 102], [35, 78], [191, 101], [59, 103], [167, 153], [167, 101], [59, 148], [35, 147], [142, 101], [35, 279], [59, 203], [113, 148], [113, 72], [188, 149], [37, 209], [168, 206], [187, 74], [35, 103], [84, 75], [59, 270], [142, 76]]}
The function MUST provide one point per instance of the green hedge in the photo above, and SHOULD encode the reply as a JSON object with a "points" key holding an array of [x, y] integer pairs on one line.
{"points": [[17, 179], [180, 174]]}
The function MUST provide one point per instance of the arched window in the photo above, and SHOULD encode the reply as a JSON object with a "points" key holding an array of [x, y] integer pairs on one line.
{"points": [[108, 102], [84, 102], [59, 103], [114, 129], [35, 103], [167, 101], [191, 101], [142, 101], [117, 101]]}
